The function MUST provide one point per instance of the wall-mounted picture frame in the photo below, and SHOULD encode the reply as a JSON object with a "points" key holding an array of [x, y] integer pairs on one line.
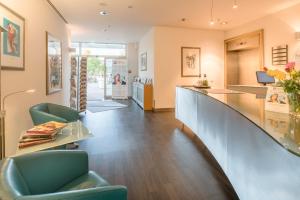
{"points": [[144, 61], [190, 61], [53, 64], [13, 41]]}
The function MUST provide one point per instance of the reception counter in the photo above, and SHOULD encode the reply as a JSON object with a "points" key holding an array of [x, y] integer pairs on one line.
{"points": [[258, 150]]}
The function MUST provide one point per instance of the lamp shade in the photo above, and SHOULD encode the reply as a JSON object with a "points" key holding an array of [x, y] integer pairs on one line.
{"points": [[297, 35], [2, 29]]}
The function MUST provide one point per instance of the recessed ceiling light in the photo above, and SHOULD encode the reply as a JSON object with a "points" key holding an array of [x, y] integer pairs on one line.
{"points": [[211, 23], [130, 6], [102, 4], [235, 4], [224, 23], [103, 13]]}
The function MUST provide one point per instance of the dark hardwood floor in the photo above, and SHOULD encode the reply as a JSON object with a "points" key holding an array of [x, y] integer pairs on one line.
{"points": [[148, 153]]}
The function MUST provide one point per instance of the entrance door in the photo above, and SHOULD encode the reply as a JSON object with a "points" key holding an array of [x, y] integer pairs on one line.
{"points": [[108, 78], [95, 78]]}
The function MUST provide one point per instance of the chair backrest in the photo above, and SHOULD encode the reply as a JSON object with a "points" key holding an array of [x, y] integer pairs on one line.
{"points": [[56, 109], [46, 172], [12, 183], [41, 107], [36, 111]]}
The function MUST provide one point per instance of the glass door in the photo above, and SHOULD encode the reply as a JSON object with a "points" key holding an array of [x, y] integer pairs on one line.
{"points": [[95, 78], [108, 78]]}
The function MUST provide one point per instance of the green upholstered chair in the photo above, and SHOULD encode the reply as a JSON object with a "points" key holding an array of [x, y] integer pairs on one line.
{"points": [[46, 112], [54, 175]]}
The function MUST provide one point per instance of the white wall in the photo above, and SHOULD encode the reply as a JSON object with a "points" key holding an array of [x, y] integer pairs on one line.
{"points": [[165, 63], [132, 56], [147, 45], [40, 17], [279, 29], [163, 46]]}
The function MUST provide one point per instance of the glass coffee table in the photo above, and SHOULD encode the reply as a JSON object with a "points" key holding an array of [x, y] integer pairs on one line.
{"points": [[73, 132]]}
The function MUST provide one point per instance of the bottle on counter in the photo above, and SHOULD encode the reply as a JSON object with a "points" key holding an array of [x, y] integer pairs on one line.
{"points": [[200, 81], [205, 81]]}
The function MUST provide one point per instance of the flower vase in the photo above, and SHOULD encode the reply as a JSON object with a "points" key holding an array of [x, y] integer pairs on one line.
{"points": [[294, 102]]}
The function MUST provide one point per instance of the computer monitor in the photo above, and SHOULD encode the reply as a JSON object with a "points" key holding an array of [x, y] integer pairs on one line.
{"points": [[264, 78]]}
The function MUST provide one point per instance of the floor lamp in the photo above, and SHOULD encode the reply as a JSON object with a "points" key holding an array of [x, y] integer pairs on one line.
{"points": [[2, 108], [1, 120]]}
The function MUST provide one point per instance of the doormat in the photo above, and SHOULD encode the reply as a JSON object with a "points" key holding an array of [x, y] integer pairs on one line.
{"points": [[100, 106]]}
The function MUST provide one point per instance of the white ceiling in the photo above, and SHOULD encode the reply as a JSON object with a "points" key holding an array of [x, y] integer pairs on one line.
{"points": [[129, 25]]}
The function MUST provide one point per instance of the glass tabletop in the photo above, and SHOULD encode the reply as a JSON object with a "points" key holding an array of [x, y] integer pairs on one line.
{"points": [[73, 132]]}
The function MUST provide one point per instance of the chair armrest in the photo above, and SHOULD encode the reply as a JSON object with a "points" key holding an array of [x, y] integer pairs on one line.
{"points": [[65, 112], [103, 193], [39, 117], [54, 169]]}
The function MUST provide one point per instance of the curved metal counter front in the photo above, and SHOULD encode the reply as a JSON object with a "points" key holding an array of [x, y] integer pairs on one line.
{"points": [[257, 150]]}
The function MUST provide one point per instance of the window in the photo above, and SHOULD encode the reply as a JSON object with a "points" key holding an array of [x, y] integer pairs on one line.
{"points": [[99, 49]]}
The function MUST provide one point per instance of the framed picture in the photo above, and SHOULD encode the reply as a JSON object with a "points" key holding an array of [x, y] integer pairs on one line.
{"points": [[190, 61], [54, 64], [276, 100], [12, 41], [144, 61]]}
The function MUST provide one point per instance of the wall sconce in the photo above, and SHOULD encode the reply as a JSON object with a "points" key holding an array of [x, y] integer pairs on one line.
{"points": [[297, 35]]}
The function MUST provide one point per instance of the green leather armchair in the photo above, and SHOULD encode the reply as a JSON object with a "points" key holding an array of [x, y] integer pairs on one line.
{"points": [[54, 175], [46, 112]]}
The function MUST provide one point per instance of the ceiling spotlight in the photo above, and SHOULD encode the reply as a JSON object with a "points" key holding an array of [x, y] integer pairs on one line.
{"points": [[211, 13], [224, 23], [103, 13], [235, 4], [103, 4]]}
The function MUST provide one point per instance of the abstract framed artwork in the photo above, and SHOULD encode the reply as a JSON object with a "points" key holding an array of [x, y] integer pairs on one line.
{"points": [[12, 41], [144, 61], [190, 61], [54, 64]]}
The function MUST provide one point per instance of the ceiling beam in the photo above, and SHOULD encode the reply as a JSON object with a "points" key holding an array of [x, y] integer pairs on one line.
{"points": [[57, 11]]}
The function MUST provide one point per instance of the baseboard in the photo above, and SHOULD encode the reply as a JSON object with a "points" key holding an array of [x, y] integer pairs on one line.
{"points": [[163, 109]]}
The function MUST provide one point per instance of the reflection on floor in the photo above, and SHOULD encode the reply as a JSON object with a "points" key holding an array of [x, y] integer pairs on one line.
{"points": [[95, 91], [149, 154], [104, 105]]}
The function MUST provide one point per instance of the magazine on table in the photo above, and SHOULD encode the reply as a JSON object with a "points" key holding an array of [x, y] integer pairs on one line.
{"points": [[40, 134]]}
